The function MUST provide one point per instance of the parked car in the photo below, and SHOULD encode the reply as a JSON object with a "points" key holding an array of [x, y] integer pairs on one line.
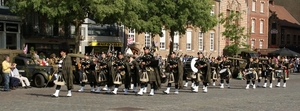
{"points": [[37, 74]]}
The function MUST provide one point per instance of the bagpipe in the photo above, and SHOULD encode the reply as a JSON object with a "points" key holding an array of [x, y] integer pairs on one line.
{"points": [[150, 60]]}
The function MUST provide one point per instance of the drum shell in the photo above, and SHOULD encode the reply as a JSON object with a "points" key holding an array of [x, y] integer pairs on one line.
{"points": [[224, 73], [278, 73], [249, 76]]}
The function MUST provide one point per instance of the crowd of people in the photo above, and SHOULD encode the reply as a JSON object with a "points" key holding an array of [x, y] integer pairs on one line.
{"points": [[109, 70]]}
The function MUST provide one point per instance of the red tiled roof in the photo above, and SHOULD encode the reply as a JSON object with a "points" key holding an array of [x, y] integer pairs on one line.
{"points": [[286, 19], [291, 6]]}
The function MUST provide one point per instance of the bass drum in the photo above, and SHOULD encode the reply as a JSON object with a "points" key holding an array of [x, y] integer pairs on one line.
{"points": [[189, 66]]}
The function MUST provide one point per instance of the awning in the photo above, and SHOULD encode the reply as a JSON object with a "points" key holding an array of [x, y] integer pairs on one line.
{"points": [[49, 40]]}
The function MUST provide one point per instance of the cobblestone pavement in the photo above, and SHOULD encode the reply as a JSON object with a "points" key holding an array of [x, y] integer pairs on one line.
{"points": [[237, 98]]}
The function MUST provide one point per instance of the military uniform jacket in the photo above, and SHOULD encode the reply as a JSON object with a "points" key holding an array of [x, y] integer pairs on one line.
{"points": [[154, 75], [250, 65], [111, 70], [215, 66], [206, 69], [67, 71], [135, 70], [104, 64], [177, 69], [226, 64], [124, 67]]}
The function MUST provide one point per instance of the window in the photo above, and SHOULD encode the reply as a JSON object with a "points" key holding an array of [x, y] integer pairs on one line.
{"points": [[288, 39], [262, 6], [260, 44], [212, 38], [200, 41], [189, 40], [101, 30], [212, 12], [2, 2], [131, 36], [252, 44], [253, 5], [295, 39], [274, 26], [273, 39], [147, 39], [282, 36], [253, 26], [176, 41], [261, 26], [162, 44]]}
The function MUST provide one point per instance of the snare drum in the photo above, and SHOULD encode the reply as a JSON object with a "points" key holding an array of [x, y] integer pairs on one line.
{"points": [[249, 75], [223, 73], [278, 73], [189, 65]]}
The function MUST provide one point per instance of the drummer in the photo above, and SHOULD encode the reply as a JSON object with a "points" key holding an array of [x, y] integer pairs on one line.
{"points": [[225, 73], [249, 73]]}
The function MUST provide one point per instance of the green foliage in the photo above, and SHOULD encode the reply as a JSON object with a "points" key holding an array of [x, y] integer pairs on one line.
{"points": [[233, 31], [141, 15]]}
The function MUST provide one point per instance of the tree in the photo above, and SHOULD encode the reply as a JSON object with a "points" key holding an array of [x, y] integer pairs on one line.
{"points": [[70, 11], [234, 32], [172, 15]]}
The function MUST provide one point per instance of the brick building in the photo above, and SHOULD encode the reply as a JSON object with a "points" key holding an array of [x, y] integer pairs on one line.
{"points": [[284, 28], [211, 43], [258, 22]]}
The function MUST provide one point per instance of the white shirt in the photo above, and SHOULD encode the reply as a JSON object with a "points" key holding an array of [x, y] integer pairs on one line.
{"points": [[15, 73]]}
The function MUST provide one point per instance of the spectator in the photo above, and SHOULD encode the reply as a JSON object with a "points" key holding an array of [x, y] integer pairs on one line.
{"points": [[42, 56], [36, 56], [24, 80], [14, 82], [6, 66]]}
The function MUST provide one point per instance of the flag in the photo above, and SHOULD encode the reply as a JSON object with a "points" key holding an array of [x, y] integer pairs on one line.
{"points": [[130, 40], [156, 44], [25, 50]]}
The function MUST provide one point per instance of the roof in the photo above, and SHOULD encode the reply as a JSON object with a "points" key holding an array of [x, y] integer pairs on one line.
{"points": [[285, 18], [292, 6]]}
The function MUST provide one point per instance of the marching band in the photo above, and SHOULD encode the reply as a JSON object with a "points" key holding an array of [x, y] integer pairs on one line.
{"points": [[135, 71]]}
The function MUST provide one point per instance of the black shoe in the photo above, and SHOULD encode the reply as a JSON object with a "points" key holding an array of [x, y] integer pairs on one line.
{"points": [[28, 86]]}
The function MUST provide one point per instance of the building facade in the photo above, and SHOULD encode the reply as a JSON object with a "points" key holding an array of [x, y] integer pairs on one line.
{"points": [[258, 22], [98, 37], [284, 28], [10, 26], [211, 43], [45, 37]]}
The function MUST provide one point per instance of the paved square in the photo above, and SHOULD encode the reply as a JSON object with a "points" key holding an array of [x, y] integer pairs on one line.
{"points": [[237, 98]]}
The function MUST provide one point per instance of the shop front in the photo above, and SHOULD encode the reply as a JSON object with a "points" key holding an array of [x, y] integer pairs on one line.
{"points": [[102, 47]]}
